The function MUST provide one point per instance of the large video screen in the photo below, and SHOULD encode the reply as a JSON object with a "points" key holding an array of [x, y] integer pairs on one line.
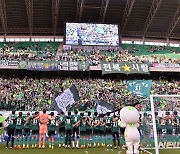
{"points": [[92, 34]]}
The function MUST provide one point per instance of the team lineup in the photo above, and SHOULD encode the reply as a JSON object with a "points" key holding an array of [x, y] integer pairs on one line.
{"points": [[75, 131]]}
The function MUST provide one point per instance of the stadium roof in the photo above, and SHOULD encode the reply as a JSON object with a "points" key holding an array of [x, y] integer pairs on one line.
{"points": [[137, 18]]}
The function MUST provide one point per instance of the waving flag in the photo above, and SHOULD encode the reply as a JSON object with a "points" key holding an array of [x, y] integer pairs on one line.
{"points": [[67, 98]]}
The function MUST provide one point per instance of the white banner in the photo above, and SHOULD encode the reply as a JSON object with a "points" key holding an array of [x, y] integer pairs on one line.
{"points": [[65, 99]]}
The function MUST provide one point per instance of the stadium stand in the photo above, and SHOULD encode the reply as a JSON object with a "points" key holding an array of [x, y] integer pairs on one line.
{"points": [[33, 94]]}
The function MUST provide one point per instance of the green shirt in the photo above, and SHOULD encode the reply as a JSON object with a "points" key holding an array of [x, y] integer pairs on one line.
{"points": [[115, 126], [68, 123], [76, 118], [61, 119], [108, 121], [96, 119], [34, 124], [52, 125], [27, 124], [19, 122], [101, 126], [83, 125], [11, 121], [91, 122]]}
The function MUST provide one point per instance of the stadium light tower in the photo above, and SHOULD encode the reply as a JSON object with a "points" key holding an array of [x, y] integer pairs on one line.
{"points": [[3, 17]]}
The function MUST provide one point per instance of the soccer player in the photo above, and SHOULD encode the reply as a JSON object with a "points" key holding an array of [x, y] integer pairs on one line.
{"points": [[43, 119], [83, 125], [108, 129], [115, 132], [51, 130], [96, 129], [89, 129], [35, 130], [176, 123], [27, 123], [11, 129], [60, 121], [18, 132], [75, 137], [68, 130], [102, 130]]}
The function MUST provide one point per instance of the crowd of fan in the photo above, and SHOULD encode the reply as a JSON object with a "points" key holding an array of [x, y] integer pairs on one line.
{"points": [[93, 56], [32, 52], [34, 94]]}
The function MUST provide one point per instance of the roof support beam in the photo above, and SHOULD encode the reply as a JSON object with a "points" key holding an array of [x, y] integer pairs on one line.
{"points": [[3, 16], [29, 8], [174, 22], [104, 7], [153, 10], [127, 13], [55, 9], [80, 6]]}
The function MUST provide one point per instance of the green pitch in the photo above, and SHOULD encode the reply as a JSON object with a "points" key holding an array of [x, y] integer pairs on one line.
{"points": [[75, 151]]}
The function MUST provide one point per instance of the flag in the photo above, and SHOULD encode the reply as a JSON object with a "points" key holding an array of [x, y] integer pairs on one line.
{"points": [[141, 88], [103, 107], [66, 99]]}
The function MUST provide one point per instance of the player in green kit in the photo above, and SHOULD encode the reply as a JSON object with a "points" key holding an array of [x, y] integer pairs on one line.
{"points": [[68, 130], [75, 131], [83, 125], [96, 130], [176, 123], [60, 121], [115, 132], [27, 123], [11, 129], [89, 129], [51, 130], [102, 130], [108, 129], [18, 132], [35, 130]]}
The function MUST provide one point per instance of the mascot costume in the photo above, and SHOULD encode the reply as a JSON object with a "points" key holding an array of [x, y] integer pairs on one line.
{"points": [[129, 120], [3, 124]]}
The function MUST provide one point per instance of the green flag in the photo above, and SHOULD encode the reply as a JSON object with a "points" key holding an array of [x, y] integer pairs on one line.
{"points": [[141, 88]]}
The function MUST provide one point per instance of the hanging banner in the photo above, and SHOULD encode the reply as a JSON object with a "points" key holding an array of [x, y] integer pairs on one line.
{"points": [[73, 66], [42, 65], [141, 88], [124, 67]]}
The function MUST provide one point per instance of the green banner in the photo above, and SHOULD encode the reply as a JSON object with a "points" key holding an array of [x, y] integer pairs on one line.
{"points": [[124, 67], [141, 88], [73, 66], [54, 65]]}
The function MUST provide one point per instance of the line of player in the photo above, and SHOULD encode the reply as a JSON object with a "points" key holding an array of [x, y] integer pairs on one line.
{"points": [[74, 131]]}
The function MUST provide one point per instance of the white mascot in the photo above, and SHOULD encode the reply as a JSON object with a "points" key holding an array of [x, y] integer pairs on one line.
{"points": [[129, 120]]}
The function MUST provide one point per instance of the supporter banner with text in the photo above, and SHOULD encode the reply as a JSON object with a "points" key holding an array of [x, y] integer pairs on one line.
{"points": [[42, 65], [141, 88], [73, 66], [9, 63], [124, 67], [166, 65]]}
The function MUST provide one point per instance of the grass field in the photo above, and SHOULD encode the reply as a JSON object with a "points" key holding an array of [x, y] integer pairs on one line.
{"points": [[76, 151]]}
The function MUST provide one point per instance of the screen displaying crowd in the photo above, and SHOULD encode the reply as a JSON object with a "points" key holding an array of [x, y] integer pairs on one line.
{"points": [[92, 34]]}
